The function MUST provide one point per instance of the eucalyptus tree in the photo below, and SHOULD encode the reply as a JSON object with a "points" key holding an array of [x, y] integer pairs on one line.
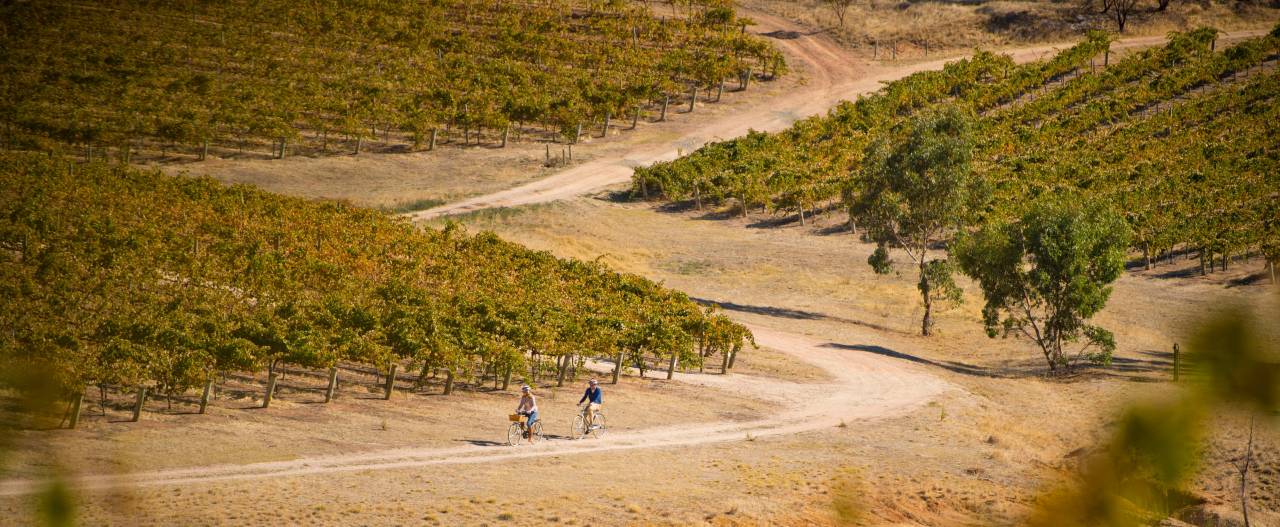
{"points": [[1046, 274], [917, 188]]}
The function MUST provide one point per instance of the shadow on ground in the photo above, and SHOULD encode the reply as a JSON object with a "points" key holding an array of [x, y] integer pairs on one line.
{"points": [[794, 314]]}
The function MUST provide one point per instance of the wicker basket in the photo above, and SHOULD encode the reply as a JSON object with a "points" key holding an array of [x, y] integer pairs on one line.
{"points": [[515, 418]]}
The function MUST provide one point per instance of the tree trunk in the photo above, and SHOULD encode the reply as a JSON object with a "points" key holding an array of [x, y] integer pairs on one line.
{"points": [[693, 97], [448, 381], [1146, 255], [577, 134], [533, 367], [927, 324], [666, 99], [617, 367], [506, 378], [564, 367], [720, 90], [431, 144], [358, 140], [635, 119], [671, 366], [733, 357], [605, 132], [505, 132]]}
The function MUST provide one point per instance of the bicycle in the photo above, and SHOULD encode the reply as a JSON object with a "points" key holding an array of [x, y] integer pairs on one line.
{"points": [[519, 431], [580, 429]]}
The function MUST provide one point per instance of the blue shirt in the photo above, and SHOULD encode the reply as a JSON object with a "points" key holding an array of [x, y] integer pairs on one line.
{"points": [[595, 394]]}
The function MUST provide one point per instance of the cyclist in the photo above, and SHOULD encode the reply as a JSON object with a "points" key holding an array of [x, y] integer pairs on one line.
{"points": [[596, 398], [528, 407]]}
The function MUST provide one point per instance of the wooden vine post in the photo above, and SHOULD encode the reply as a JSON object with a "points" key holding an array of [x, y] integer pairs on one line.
{"points": [[76, 403], [666, 100], [271, 390], [333, 384], [137, 405], [391, 382], [204, 395], [1177, 362]]}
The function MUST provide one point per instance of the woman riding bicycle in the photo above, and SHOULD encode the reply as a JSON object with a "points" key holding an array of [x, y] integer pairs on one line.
{"points": [[528, 407]]}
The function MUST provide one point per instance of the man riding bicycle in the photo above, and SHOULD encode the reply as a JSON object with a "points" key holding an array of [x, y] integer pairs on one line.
{"points": [[596, 398], [529, 407]]}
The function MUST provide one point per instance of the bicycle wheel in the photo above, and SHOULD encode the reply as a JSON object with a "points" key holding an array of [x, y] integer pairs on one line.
{"points": [[579, 427], [598, 422], [515, 434], [537, 431]]}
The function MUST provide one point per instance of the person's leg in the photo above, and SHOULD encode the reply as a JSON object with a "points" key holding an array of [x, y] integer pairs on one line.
{"points": [[591, 411], [533, 417]]}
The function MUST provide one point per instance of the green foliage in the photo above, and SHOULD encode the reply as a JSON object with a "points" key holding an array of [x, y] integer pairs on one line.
{"points": [[880, 261], [1045, 275], [56, 505], [1241, 358], [917, 182], [115, 73], [937, 280], [917, 187], [123, 276], [1132, 480]]}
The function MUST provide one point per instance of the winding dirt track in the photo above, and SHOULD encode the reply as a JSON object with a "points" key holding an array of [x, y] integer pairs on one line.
{"points": [[863, 386]]}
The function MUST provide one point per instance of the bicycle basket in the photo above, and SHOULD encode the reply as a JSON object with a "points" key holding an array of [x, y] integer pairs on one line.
{"points": [[515, 418]]}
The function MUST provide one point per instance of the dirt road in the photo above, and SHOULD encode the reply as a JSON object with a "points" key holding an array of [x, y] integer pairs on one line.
{"points": [[864, 386], [833, 76]]}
